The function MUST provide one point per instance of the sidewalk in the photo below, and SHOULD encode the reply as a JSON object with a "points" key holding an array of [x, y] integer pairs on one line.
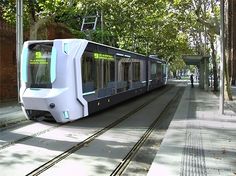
{"points": [[199, 141], [10, 112]]}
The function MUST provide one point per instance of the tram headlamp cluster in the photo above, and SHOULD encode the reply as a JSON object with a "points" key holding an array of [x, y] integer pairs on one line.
{"points": [[66, 114]]}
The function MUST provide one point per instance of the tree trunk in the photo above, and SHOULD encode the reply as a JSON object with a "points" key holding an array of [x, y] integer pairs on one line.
{"points": [[213, 54], [228, 91]]}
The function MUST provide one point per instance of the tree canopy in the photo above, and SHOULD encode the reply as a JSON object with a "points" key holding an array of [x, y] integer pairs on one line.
{"points": [[166, 28]]}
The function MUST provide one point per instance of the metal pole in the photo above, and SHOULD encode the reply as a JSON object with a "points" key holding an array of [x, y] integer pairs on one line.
{"points": [[221, 108], [19, 39]]}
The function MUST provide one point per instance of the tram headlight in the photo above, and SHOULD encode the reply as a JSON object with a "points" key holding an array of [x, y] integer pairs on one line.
{"points": [[66, 114]]}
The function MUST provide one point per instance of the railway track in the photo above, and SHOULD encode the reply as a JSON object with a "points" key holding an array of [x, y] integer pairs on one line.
{"points": [[122, 166], [44, 167], [13, 142], [119, 170]]}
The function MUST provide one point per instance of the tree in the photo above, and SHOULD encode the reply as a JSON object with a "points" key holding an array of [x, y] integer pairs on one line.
{"points": [[207, 14], [229, 47], [39, 13], [148, 27]]}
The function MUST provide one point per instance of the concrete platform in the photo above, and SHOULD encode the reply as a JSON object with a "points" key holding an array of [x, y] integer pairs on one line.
{"points": [[199, 141]]}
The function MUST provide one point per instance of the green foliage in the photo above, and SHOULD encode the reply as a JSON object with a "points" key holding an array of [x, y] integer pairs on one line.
{"points": [[160, 27], [8, 10]]}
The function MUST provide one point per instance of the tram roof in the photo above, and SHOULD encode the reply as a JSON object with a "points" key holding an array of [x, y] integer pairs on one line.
{"points": [[155, 58], [117, 51], [123, 52]]}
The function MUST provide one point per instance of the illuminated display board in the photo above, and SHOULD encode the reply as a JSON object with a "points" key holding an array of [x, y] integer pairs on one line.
{"points": [[40, 58], [103, 56]]}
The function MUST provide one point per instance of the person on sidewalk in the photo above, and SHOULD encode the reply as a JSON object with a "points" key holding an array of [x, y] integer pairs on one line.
{"points": [[191, 79]]}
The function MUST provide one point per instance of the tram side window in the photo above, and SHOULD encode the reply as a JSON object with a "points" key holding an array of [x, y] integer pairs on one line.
{"points": [[156, 72], [108, 72], [136, 82], [159, 72], [106, 77], [153, 70], [136, 71], [139, 73], [163, 71], [89, 72], [124, 74]]}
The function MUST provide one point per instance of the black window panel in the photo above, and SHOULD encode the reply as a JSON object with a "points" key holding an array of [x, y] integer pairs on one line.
{"points": [[102, 49], [136, 71], [89, 72], [39, 71], [91, 47], [111, 51]]}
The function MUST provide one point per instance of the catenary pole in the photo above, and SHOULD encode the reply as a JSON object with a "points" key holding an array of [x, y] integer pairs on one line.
{"points": [[19, 39], [221, 108]]}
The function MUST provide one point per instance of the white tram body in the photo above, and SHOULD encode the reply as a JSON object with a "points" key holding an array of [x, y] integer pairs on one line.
{"points": [[68, 79]]}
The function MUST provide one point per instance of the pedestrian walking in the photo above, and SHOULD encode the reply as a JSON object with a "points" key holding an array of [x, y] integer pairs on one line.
{"points": [[191, 79]]}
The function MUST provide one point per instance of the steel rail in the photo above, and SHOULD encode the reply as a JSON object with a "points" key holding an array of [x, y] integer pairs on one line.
{"points": [[128, 158], [11, 143], [91, 138]]}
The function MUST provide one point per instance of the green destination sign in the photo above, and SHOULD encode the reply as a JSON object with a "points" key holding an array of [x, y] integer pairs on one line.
{"points": [[38, 55], [38, 59], [103, 56]]}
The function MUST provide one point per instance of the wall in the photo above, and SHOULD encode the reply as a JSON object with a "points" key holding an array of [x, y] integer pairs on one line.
{"points": [[8, 81]]}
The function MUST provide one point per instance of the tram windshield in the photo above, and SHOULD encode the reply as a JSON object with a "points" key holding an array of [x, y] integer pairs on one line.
{"points": [[39, 65]]}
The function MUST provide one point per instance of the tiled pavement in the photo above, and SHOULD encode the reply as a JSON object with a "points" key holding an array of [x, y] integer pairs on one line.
{"points": [[200, 141]]}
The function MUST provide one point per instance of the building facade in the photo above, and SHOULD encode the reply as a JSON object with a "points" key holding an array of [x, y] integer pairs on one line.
{"points": [[8, 66]]}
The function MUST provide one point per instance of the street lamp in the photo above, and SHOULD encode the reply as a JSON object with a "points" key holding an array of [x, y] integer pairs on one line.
{"points": [[19, 38]]}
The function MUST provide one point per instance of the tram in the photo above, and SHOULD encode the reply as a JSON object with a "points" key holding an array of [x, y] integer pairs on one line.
{"points": [[67, 79]]}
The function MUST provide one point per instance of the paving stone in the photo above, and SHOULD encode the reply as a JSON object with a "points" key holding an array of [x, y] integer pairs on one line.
{"points": [[199, 141]]}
